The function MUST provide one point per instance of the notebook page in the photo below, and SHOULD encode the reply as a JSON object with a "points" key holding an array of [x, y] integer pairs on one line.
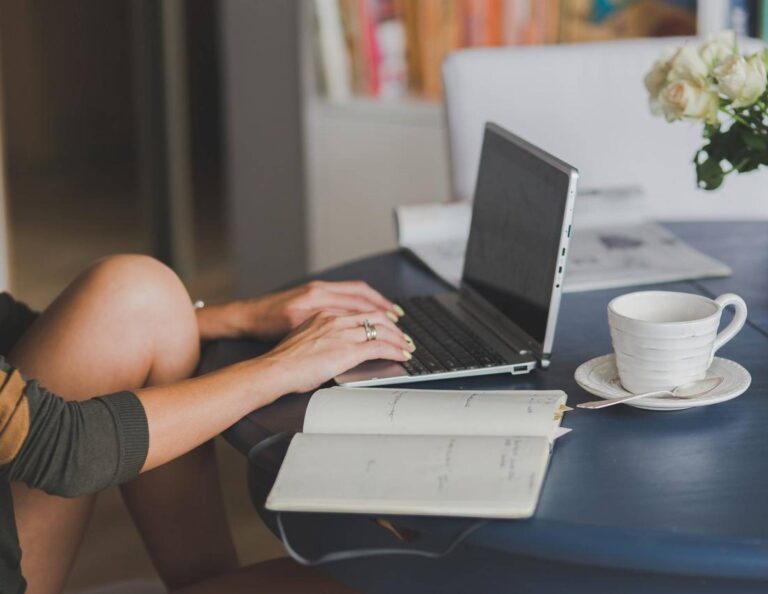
{"points": [[498, 477], [434, 412]]}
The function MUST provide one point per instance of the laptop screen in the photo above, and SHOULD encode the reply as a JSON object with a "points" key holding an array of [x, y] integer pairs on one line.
{"points": [[517, 222]]}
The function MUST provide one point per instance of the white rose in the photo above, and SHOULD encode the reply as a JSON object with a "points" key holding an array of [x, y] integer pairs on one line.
{"points": [[718, 48], [741, 80], [684, 99], [656, 78], [688, 65]]}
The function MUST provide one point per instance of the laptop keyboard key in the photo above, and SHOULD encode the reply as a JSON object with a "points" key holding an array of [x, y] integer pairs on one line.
{"points": [[413, 367], [443, 343]]}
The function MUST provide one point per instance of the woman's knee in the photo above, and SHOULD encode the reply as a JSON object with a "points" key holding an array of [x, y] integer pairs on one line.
{"points": [[137, 283], [146, 293], [126, 312]]}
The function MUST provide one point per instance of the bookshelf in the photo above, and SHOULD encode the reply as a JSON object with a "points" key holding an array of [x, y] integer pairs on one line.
{"points": [[394, 48]]}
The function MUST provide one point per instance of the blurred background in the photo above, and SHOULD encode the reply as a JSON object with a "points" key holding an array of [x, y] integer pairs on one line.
{"points": [[245, 143], [76, 97]]}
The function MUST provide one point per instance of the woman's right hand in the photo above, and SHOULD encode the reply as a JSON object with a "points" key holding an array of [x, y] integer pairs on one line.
{"points": [[327, 345]]}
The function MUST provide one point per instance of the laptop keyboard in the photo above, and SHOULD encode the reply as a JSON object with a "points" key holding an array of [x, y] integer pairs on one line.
{"points": [[443, 343]]}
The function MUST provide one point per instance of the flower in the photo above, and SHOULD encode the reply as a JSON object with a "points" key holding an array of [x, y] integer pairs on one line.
{"points": [[717, 85], [685, 99], [688, 65], [742, 80], [718, 48], [656, 79]]}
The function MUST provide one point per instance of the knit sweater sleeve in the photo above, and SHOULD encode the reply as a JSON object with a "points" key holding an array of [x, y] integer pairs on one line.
{"points": [[68, 448]]}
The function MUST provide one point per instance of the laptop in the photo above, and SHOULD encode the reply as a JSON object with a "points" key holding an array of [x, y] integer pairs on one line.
{"points": [[502, 317]]}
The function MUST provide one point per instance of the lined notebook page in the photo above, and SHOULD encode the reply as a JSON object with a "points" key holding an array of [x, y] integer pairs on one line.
{"points": [[427, 475], [434, 412]]}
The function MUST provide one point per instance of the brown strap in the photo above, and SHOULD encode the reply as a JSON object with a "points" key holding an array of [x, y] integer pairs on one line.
{"points": [[11, 391], [14, 415]]}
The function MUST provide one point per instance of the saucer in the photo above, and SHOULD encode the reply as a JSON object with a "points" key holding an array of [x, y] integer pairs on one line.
{"points": [[600, 377]]}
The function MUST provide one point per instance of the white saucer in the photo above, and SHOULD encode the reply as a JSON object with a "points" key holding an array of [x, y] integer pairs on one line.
{"points": [[599, 376]]}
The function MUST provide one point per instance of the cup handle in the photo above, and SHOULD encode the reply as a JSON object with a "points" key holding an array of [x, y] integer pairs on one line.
{"points": [[739, 318]]}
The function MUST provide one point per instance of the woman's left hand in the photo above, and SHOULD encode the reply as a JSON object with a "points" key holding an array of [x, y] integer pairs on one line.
{"points": [[273, 316]]}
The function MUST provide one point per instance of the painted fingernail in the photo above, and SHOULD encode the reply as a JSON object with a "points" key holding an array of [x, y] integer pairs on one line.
{"points": [[392, 316], [398, 310], [407, 355]]}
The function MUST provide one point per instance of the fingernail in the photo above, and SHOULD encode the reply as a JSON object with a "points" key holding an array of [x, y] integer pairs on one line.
{"points": [[407, 355], [392, 316], [398, 310], [408, 338]]}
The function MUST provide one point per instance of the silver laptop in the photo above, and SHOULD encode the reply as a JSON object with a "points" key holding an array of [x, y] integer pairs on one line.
{"points": [[502, 318]]}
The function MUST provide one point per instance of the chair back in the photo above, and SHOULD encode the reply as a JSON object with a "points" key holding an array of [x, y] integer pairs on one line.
{"points": [[586, 104]]}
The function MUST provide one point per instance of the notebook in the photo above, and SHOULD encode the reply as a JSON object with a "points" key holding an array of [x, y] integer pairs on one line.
{"points": [[420, 452]]}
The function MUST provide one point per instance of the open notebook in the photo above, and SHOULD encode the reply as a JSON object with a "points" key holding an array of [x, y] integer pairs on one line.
{"points": [[420, 452], [614, 243]]}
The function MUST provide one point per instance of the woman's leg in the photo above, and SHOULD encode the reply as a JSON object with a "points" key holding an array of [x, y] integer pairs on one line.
{"points": [[125, 323]]}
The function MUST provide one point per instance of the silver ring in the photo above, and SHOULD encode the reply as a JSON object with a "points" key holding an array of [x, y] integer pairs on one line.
{"points": [[370, 331]]}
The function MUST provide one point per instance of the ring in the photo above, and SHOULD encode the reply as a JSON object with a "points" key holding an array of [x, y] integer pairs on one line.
{"points": [[370, 331]]}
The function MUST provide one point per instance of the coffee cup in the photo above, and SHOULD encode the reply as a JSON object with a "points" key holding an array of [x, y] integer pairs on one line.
{"points": [[664, 339]]}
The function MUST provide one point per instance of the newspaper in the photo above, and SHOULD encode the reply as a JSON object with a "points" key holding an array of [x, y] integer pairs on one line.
{"points": [[614, 243]]}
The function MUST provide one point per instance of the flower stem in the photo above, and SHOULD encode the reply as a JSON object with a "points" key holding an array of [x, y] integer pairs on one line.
{"points": [[738, 118]]}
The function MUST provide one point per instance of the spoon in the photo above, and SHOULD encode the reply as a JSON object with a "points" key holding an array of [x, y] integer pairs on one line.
{"points": [[689, 390]]}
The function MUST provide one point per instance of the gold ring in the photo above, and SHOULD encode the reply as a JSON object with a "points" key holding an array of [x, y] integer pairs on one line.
{"points": [[370, 330]]}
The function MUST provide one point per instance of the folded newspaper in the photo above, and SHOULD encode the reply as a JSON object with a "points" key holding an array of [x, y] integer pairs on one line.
{"points": [[614, 243]]}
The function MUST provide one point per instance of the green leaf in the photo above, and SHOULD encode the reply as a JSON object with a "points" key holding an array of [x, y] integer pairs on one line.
{"points": [[709, 173], [754, 140]]}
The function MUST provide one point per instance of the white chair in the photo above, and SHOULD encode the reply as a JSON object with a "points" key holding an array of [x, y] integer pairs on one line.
{"points": [[586, 104]]}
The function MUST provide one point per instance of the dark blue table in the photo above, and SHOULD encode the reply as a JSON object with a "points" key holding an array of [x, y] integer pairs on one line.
{"points": [[635, 501]]}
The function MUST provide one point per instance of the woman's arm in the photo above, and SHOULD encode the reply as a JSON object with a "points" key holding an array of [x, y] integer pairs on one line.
{"points": [[73, 448], [272, 316], [184, 415]]}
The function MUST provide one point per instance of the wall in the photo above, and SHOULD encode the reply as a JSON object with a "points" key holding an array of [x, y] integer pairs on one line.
{"points": [[363, 159]]}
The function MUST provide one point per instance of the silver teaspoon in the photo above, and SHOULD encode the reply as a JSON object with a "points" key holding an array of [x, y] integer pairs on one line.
{"points": [[689, 390]]}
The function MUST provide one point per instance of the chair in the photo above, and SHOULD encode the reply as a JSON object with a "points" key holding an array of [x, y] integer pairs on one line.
{"points": [[586, 103]]}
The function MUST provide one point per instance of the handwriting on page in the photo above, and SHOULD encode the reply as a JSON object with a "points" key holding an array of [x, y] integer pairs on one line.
{"points": [[507, 465], [396, 396]]}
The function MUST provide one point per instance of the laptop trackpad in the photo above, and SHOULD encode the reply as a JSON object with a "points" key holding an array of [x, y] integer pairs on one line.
{"points": [[380, 368]]}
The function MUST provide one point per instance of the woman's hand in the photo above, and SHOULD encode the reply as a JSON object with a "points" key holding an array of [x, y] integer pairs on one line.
{"points": [[328, 345], [273, 316]]}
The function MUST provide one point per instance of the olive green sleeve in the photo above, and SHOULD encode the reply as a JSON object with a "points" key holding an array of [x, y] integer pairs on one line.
{"points": [[68, 448]]}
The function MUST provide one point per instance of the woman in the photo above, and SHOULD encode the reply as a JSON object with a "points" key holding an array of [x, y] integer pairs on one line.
{"points": [[126, 328]]}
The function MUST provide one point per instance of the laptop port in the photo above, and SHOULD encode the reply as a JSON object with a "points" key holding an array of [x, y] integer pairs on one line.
{"points": [[519, 369]]}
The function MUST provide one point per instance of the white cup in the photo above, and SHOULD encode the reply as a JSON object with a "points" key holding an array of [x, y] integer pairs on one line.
{"points": [[664, 339]]}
